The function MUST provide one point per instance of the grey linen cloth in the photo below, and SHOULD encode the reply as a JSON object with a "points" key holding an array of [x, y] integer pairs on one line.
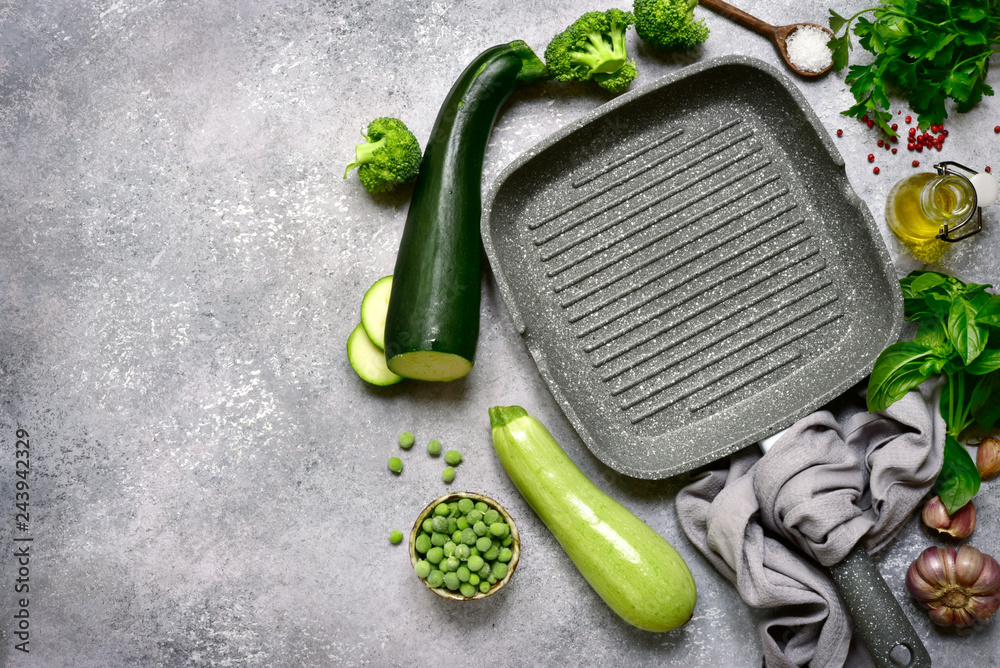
{"points": [[837, 477]]}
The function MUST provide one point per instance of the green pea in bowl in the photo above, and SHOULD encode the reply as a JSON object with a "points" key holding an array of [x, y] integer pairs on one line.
{"points": [[464, 546]]}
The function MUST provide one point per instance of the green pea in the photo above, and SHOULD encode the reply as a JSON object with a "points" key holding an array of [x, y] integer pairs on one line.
{"points": [[481, 506], [440, 524], [467, 590], [428, 525], [492, 579], [395, 464], [498, 529], [456, 536], [406, 440], [451, 581], [452, 525], [485, 571], [507, 541], [484, 586], [452, 563], [469, 537], [442, 509], [480, 528], [484, 544], [422, 543], [448, 475], [449, 548], [505, 555], [436, 578], [463, 573], [491, 516], [423, 569], [473, 551], [452, 509], [465, 504], [476, 563], [453, 458], [462, 551], [474, 516], [438, 539], [434, 448], [435, 555], [462, 523], [499, 570], [492, 553], [474, 579]]}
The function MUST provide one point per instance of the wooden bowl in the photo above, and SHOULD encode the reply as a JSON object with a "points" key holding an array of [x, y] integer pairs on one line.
{"points": [[515, 546]]}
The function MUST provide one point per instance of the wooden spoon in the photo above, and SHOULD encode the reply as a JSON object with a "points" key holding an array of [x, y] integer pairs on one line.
{"points": [[777, 34]]}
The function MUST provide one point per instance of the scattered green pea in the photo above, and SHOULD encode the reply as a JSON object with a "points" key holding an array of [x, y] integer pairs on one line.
{"points": [[448, 475], [423, 569], [396, 537], [406, 440], [422, 543], [453, 458], [467, 590], [434, 448], [395, 464], [436, 578]]}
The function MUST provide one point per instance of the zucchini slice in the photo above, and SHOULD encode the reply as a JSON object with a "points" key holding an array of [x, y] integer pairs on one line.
{"points": [[432, 325], [367, 360], [374, 305]]}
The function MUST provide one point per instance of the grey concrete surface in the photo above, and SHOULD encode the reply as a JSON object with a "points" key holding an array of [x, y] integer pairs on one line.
{"points": [[181, 265]]}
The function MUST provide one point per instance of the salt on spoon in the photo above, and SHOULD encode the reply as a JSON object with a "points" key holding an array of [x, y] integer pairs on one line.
{"points": [[802, 45]]}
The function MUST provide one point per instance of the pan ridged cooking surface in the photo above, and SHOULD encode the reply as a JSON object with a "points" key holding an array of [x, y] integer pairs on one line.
{"points": [[690, 268]]}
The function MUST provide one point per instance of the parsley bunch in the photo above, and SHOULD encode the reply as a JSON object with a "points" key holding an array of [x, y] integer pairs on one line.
{"points": [[958, 336], [931, 50]]}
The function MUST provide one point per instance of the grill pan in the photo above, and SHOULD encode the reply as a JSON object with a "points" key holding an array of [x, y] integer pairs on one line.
{"points": [[690, 268], [692, 273]]}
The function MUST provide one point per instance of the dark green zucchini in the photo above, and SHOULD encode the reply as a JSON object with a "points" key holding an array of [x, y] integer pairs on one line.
{"points": [[432, 324]]}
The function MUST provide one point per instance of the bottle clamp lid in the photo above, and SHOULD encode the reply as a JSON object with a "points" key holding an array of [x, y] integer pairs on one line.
{"points": [[985, 188]]}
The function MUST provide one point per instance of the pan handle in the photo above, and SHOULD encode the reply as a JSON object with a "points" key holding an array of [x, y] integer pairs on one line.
{"points": [[878, 618]]}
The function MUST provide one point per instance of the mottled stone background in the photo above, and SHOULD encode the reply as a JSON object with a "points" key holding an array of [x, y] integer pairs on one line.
{"points": [[181, 262]]}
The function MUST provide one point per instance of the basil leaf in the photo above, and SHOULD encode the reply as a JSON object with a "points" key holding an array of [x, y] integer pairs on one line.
{"points": [[964, 333], [989, 313], [930, 333], [959, 479], [987, 362], [988, 414], [897, 370], [919, 282]]}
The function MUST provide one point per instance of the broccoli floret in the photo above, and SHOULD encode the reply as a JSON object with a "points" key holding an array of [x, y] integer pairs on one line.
{"points": [[669, 25], [593, 49], [391, 156]]}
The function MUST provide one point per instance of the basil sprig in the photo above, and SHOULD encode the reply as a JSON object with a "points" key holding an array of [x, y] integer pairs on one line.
{"points": [[958, 336]]}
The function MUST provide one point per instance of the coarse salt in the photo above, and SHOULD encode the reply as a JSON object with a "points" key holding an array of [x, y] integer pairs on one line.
{"points": [[807, 49]]}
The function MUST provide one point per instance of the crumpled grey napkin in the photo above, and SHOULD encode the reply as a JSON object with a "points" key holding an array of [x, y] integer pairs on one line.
{"points": [[835, 478]]}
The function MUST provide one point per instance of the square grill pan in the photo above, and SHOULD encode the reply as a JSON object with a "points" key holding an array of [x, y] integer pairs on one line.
{"points": [[690, 268]]}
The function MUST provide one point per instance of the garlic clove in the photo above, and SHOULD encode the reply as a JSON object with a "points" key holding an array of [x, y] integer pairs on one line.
{"points": [[968, 565], [959, 525], [988, 457]]}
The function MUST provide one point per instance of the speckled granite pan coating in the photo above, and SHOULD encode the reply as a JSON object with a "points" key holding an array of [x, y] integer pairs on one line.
{"points": [[690, 267]]}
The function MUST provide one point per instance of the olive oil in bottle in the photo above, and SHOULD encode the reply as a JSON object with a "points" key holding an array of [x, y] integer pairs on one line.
{"points": [[919, 205]]}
